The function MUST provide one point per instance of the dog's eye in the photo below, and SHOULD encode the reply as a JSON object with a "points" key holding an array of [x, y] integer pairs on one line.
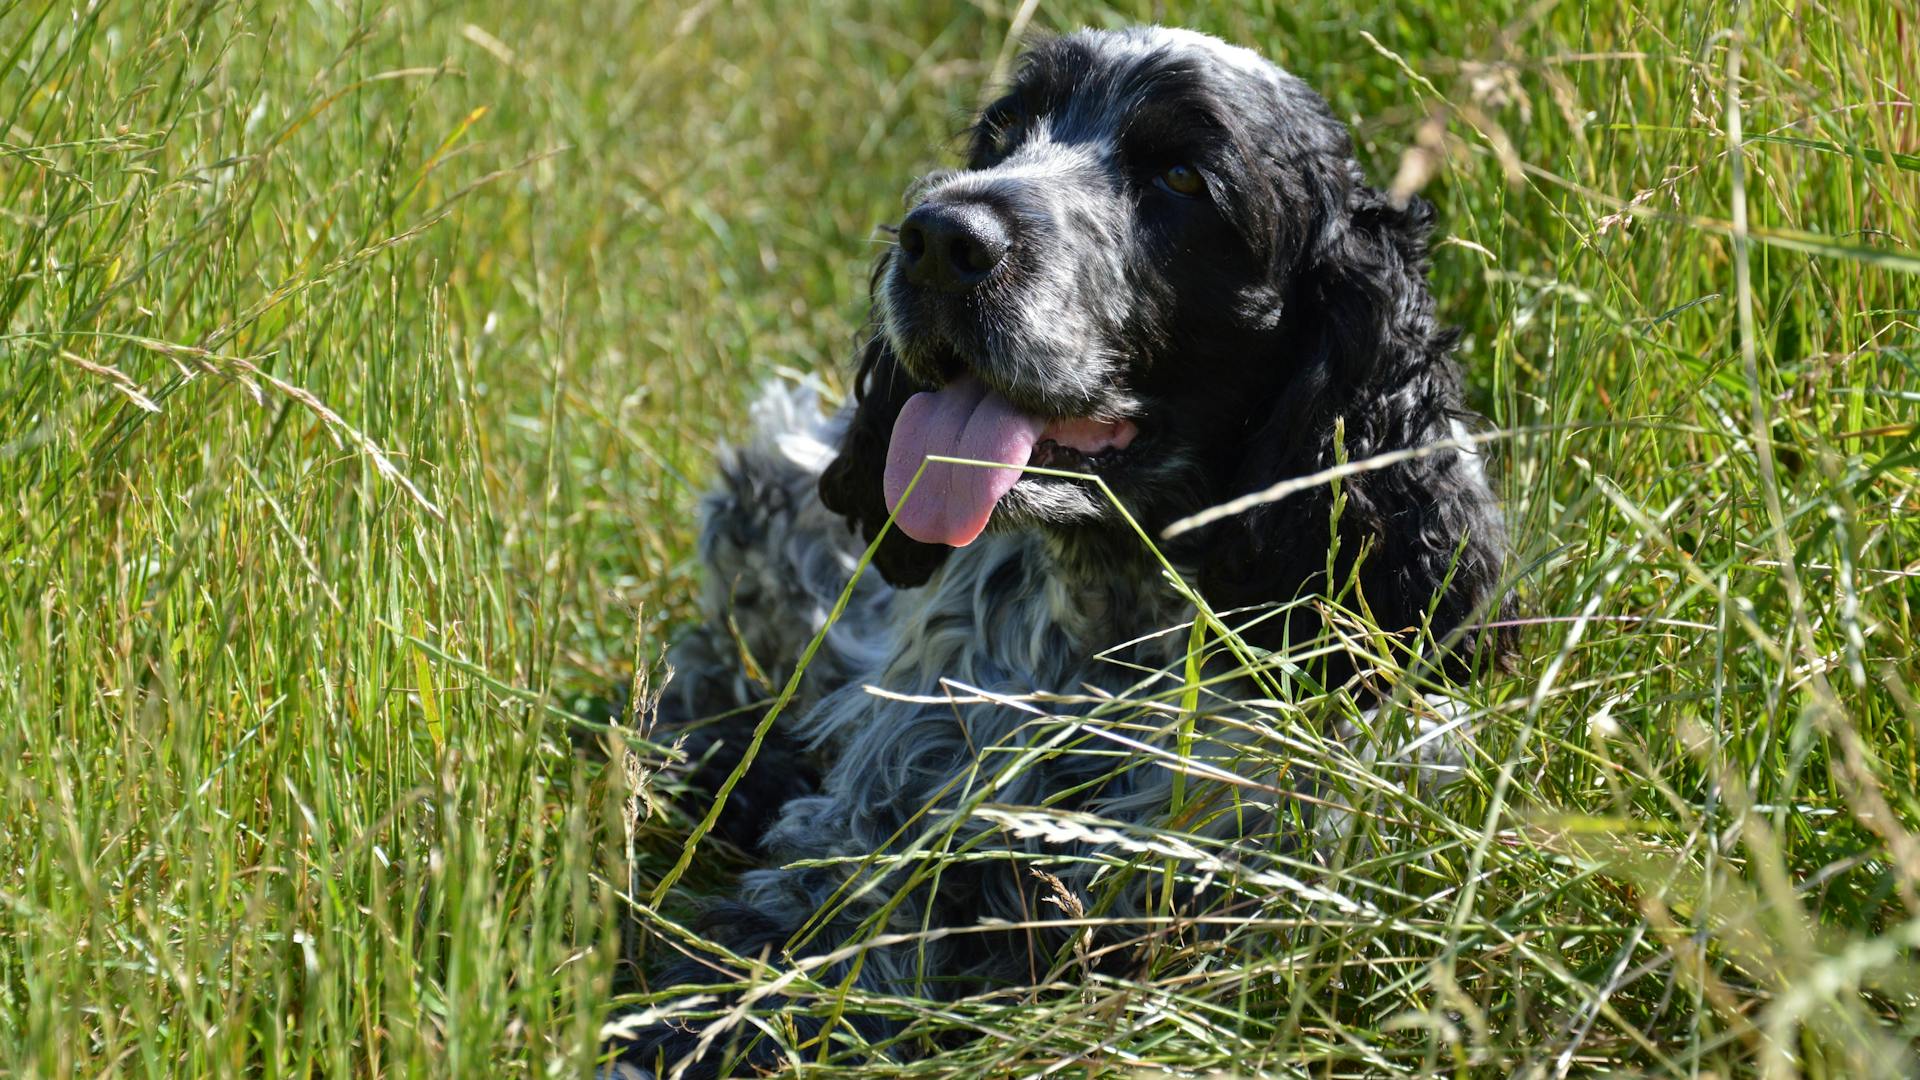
{"points": [[1182, 180]]}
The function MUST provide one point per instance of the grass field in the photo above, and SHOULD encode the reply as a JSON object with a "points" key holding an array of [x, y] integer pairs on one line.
{"points": [[360, 364]]}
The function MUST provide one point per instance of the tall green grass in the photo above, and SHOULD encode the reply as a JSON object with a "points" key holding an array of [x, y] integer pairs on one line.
{"points": [[360, 364]]}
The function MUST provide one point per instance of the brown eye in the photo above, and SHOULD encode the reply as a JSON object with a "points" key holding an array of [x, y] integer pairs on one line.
{"points": [[1182, 180]]}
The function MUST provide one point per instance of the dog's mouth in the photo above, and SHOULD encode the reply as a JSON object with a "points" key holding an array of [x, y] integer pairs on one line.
{"points": [[951, 504]]}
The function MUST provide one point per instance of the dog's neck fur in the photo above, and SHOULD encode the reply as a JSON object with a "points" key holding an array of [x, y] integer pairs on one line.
{"points": [[1106, 587]]}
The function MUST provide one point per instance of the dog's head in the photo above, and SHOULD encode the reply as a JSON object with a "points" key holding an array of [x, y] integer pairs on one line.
{"points": [[1160, 267]]}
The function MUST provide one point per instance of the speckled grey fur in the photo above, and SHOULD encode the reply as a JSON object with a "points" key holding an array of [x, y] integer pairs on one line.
{"points": [[774, 564]]}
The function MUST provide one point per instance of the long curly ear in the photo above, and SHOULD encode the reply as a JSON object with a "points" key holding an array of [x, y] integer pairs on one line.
{"points": [[1371, 369], [851, 484]]}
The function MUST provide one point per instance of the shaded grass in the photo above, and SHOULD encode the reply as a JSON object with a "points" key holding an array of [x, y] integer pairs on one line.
{"points": [[361, 363]]}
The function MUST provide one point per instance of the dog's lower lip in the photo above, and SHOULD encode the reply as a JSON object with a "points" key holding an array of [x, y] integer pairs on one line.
{"points": [[1052, 455]]}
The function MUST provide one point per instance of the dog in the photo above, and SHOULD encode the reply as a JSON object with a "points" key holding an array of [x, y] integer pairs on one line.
{"points": [[1159, 283]]}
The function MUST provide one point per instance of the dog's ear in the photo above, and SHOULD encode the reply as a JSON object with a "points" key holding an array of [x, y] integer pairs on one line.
{"points": [[851, 486], [1369, 373]]}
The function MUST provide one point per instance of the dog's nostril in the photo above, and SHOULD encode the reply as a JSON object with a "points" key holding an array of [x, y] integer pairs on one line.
{"points": [[979, 252], [953, 246], [913, 240]]}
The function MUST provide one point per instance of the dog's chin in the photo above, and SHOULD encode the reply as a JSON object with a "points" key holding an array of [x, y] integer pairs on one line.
{"points": [[1081, 496], [1156, 481], [1050, 502]]}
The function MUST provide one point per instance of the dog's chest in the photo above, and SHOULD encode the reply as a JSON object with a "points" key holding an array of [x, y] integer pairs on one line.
{"points": [[1002, 619]]}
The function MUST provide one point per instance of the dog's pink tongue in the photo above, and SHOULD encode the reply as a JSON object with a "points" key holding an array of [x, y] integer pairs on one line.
{"points": [[951, 503]]}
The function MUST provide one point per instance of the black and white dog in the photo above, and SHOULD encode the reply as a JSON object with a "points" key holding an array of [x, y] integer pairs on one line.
{"points": [[1160, 268]]}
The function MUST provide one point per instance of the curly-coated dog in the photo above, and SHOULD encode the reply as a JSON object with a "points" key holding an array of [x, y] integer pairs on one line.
{"points": [[1162, 278]]}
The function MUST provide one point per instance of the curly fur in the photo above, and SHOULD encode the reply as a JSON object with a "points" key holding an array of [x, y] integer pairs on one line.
{"points": [[1242, 331]]}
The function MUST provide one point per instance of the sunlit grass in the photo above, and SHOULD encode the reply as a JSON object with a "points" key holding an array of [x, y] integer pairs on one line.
{"points": [[360, 365]]}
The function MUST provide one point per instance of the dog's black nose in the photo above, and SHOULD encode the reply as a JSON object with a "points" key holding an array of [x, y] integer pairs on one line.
{"points": [[952, 246]]}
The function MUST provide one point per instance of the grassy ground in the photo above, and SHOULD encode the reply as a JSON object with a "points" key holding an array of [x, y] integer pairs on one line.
{"points": [[359, 364]]}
